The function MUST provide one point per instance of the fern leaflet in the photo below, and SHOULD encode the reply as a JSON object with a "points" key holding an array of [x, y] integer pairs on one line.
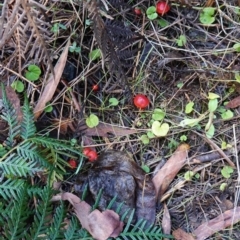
{"points": [[28, 128], [9, 114]]}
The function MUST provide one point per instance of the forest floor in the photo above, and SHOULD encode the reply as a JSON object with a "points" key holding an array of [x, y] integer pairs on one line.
{"points": [[186, 62]]}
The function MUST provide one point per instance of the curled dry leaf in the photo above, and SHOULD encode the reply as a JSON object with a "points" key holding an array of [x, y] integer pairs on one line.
{"points": [[101, 225], [52, 83], [221, 222], [171, 168], [179, 234], [166, 221], [234, 103]]}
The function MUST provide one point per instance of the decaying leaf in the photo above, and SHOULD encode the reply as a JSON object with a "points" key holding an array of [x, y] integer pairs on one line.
{"points": [[221, 222], [167, 173], [234, 103], [179, 234], [106, 130], [166, 221], [52, 83], [118, 175], [101, 225]]}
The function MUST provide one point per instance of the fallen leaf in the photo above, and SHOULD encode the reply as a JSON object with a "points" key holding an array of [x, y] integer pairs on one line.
{"points": [[179, 234], [52, 83], [167, 173], [166, 221], [101, 225], [219, 223], [106, 130], [234, 103]]}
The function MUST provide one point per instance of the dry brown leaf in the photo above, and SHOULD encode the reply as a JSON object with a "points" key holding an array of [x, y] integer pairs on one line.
{"points": [[106, 130], [234, 103], [179, 234], [167, 173], [52, 83], [166, 221], [101, 225], [219, 223]]}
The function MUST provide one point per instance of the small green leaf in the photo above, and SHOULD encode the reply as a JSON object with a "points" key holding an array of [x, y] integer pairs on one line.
{"points": [[95, 54], [209, 10], [33, 73], [18, 86], [181, 41], [163, 23], [225, 145], [197, 175], [190, 122], [212, 96], [237, 77], [180, 85], [212, 105], [160, 130], [207, 15], [145, 140], [227, 171], [236, 47], [152, 16], [223, 186], [188, 175], [73, 48], [150, 135], [227, 114], [151, 10], [158, 114], [48, 108], [210, 132], [189, 107], [146, 168], [113, 102], [183, 138], [92, 121]]}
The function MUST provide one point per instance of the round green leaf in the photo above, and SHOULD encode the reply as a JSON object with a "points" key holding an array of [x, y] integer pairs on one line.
{"points": [[95, 54], [160, 130], [33, 73], [146, 168], [163, 23], [236, 47], [158, 114], [212, 105], [209, 11], [227, 114], [48, 108], [18, 86], [210, 132], [223, 186], [144, 138], [92, 121], [212, 96], [188, 175], [113, 102], [227, 171], [189, 107], [150, 134], [152, 16], [151, 10]]}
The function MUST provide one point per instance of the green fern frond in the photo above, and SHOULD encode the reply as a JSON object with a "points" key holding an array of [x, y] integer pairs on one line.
{"points": [[57, 224], [10, 188], [16, 217], [140, 232], [72, 229], [3, 150], [30, 151], [41, 217], [28, 128], [9, 114], [15, 165], [56, 144]]}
